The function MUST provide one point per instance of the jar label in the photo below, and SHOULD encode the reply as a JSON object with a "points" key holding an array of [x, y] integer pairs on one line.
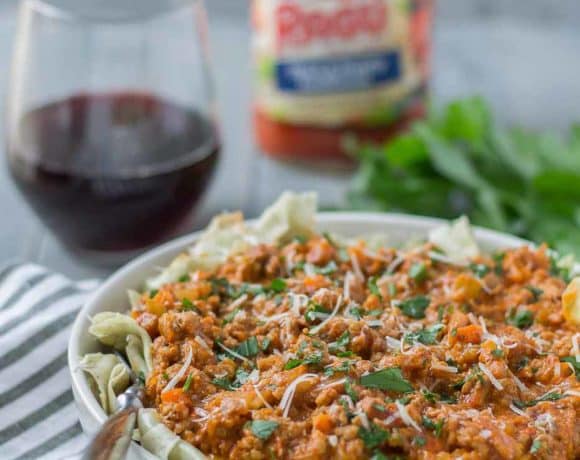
{"points": [[336, 62]]}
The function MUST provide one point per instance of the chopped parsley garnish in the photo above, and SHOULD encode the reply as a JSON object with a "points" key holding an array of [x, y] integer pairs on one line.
{"points": [[420, 441], [498, 353], [429, 395], [314, 308], [418, 272], [341, 344], [263, 429], [427, 336], [349, 390], [187, 305], [392, 288], [301, 239], [389, 379], [187, 382], [265, 344], [415, 307], [343, 367], [184, 278], [356, 312], [373, 437], [230, 316], [153, 293], [248, 348], [436, 427], [536, 446], [312, 359], [328, 269], [479, 270], [575, 364], [498, 259], [521, 318], [277, 285], [223, 382], [372, 285], [552, 396], [329, 238], [536, 292]]}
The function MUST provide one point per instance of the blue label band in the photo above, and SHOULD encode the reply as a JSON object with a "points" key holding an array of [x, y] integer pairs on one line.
{"points": [[338, 74]]}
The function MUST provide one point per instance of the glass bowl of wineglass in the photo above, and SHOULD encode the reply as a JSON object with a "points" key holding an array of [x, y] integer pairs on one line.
{"points": [[112, 135]]}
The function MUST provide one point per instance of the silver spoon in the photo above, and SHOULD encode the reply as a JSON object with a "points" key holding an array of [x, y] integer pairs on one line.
{"points": [[113, 440]]}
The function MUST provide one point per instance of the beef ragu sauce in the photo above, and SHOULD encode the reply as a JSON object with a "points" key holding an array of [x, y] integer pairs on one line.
{"points": [[308, 351], [113, 171]]}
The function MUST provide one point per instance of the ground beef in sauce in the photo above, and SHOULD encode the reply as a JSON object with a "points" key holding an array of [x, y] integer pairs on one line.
{"points": [[310, 351]]}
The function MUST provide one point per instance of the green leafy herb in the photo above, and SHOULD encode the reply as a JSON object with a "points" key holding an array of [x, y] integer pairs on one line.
{"points": [[142, 378], [418, 272], [480, 270], [372, 285], [575, 364], [263, 429], [183, 279], [343, 367], [392, 288], [341, 344], [429, 395], [187, 305], [536, 446], [301, 239], [223, 382], [153, 293], [329, 238], [265, 343], [498, 353], [312, 359], [328, 269], [248, 348], [230, 316], [389, 379], [521, 318], [427, 336], [552, 396], [536, 292], [436, 427], [373, 437], [187, 382], [356, 312], [277, 285], [314, 311], [349, 390], [420, 441], [460, 161], [415, 307]]}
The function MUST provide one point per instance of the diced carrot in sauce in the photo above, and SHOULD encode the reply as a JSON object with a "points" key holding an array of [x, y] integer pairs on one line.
{"points": [[469, 334], [323, 422]]}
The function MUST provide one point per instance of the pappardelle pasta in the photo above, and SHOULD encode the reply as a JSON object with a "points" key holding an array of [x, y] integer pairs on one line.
{"points": [[274, 341]]}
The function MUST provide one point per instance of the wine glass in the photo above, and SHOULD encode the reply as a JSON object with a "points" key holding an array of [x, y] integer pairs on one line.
{"points": [[111, 132]]}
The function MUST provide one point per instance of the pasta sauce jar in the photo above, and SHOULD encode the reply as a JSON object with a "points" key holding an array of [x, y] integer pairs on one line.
{"points": [[329, 68]]}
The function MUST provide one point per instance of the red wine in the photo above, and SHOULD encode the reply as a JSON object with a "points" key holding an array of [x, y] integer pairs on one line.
{"points": [[109, 172]]}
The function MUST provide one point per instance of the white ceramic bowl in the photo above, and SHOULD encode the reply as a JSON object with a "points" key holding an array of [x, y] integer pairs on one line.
{"points": [[112, 295]]}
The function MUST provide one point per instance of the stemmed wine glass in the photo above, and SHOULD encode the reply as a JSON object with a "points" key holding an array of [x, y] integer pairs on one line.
{"points": [[111, 131]]}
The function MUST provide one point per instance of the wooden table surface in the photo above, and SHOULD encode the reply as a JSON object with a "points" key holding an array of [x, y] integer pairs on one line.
{"points": [[525, 62]]}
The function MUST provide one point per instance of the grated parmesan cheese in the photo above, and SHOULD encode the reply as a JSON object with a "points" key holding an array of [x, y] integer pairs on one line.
{"points": [[393, 343], [495, 382], [288, 396], [315, 329], [485, 434], [405, 417], [444, 368], [346, 286], [517, 410], [199, 340], [395, 263], [356, 266], [232, 352], [177, 377]]}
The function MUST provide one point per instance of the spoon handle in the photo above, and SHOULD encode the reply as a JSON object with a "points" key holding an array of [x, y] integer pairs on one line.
{"points": [[114, 438]]}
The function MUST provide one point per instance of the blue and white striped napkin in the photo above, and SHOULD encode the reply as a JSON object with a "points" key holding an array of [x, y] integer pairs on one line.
{"points": [[38, 418]]}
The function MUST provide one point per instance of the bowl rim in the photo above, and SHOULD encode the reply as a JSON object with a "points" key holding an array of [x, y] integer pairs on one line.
{"points": [[79, 381]]}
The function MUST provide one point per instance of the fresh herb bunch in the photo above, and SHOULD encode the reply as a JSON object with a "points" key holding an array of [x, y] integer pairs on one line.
{"points": [[458, 161]]}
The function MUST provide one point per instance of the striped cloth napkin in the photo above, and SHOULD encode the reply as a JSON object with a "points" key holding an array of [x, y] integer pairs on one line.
{"points": [[38, 418]]}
